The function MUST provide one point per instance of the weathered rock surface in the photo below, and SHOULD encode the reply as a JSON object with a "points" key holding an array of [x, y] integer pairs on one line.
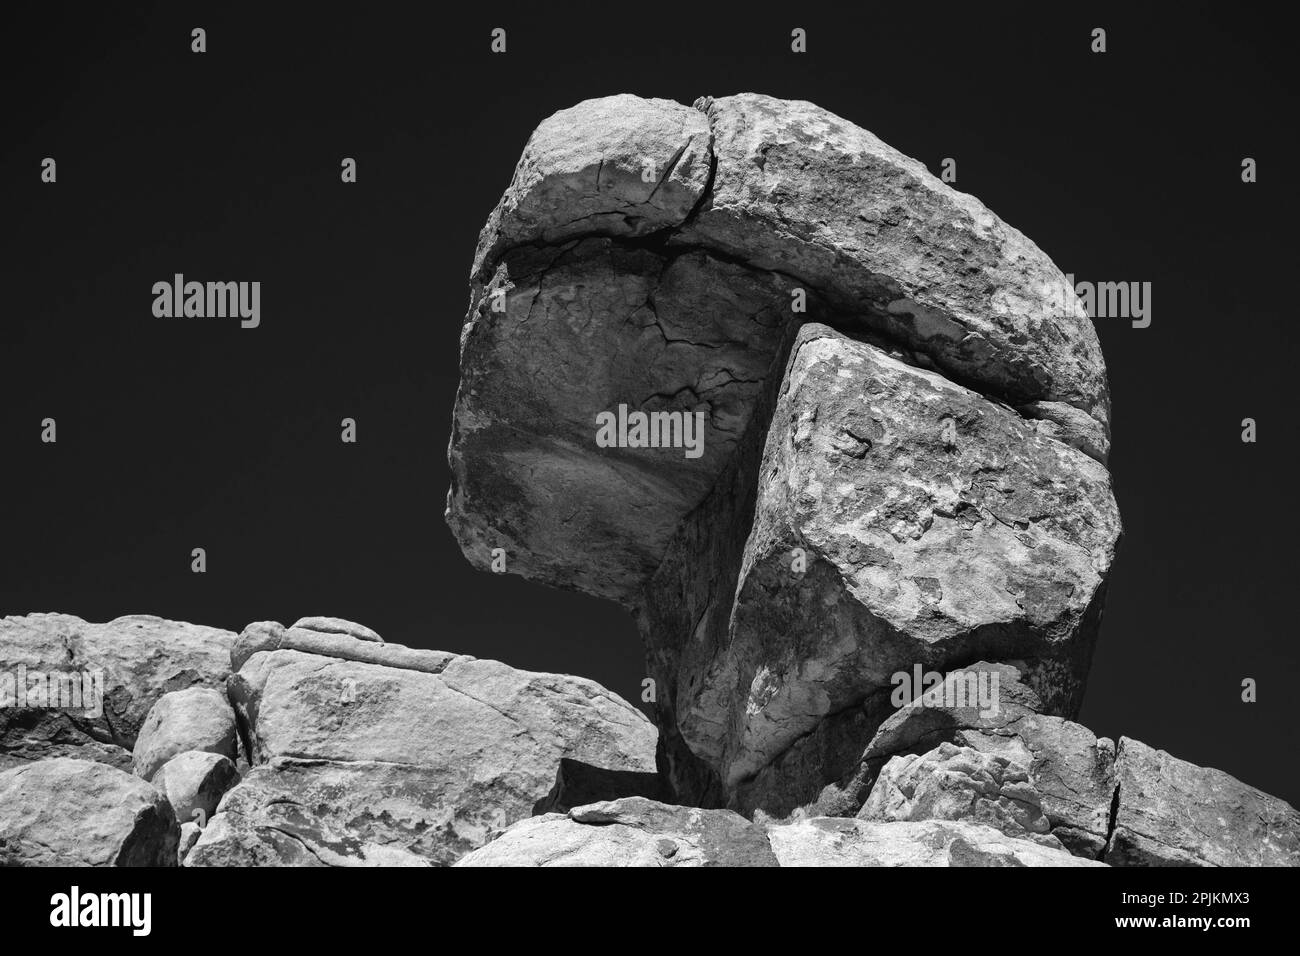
{"points": [[633, 831], [959, 783], [1070, 768], [326, 813], [899, 468], [198, 718], [837, 841], [800, 190], [616, 166], [336, 625], [273, 636], [356, 762], [934, 525], [69, 812], [361, 764], [1128, 806], [1172, 813], [138, 658], [931, 453], [190, 833], [194, 783]]}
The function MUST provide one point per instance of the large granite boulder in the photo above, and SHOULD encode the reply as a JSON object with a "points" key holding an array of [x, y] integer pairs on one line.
{"points": [[361, 763], [913, 477], [70, 812], [118, 671]]}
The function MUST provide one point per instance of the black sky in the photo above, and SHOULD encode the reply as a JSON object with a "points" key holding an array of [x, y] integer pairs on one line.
{"points": [[183, 433]]}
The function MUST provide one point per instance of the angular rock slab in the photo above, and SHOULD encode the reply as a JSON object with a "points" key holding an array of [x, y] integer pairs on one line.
{"points": [[326, 813], [69, 812], [336, 625], [1173, 813], [935, 526], [633, 831], [274, 636], [142, 657], [356, 761], [837, 841], [801, 190]]}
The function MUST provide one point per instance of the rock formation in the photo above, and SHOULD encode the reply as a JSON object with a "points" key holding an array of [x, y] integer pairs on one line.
{"points": [[869, 585], [905, 426], [436, 758]]}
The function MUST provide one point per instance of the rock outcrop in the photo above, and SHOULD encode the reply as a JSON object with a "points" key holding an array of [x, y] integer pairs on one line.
{"points": [[1168, 812], [900, 468], [642, 833], [903, 426], [108, 676], [959, 783], [360, 763], [834, 433], [455, 760], [1125, 804]]}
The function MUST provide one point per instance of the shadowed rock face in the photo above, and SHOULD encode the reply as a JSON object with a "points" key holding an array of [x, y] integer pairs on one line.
{"points": [[588, 326], [905, 424]]}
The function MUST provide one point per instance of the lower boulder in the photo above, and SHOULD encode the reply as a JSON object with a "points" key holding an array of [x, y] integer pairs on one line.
{"points": [[1129, 805], [358, 763], [836, 841], [633, 831], [70, 812], [1169, 812], [194, 783]]}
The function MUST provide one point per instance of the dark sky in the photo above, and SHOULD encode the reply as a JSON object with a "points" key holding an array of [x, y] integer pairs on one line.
{"points": [[175, 434]]}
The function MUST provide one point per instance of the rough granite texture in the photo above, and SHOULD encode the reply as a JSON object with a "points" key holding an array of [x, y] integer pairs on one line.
{"points": [[899, 469]]}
